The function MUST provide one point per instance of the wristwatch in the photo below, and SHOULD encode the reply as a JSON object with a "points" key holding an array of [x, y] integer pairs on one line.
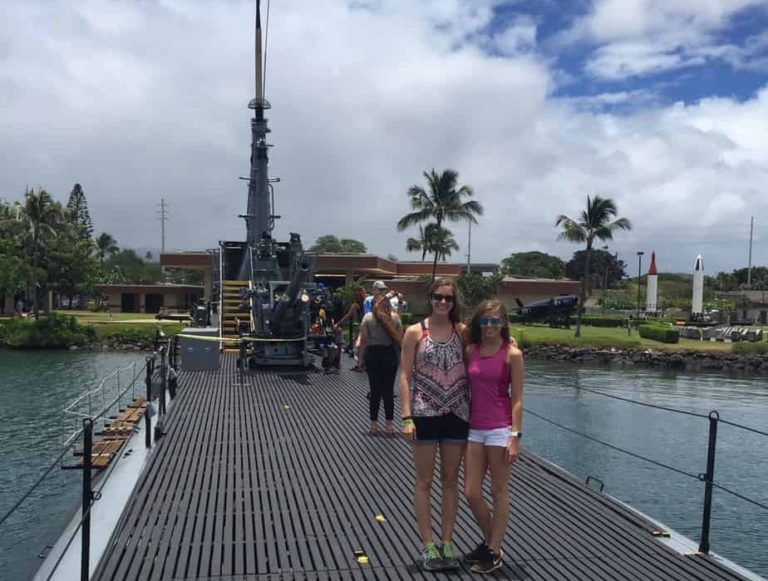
{"points": [[513, 434]]}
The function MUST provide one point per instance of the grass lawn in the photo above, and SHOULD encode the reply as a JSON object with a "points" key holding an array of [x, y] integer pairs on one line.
{"points": [[91, 317], [606, 337]]}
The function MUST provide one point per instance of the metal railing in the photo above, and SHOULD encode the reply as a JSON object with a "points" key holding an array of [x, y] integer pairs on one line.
{"points": [[164, 379], [707, 477]]}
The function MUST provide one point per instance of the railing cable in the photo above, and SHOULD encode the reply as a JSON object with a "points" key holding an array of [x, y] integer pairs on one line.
{"points": [[642, 403], [35, 485], [588, 437], [669, 409]]}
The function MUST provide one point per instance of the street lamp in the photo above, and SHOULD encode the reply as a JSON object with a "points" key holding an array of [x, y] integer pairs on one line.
{"points": [[639, 274]]}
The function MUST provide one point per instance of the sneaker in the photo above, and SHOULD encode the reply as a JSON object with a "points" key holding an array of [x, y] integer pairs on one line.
{"points": [[430, 559], [450, 561], [480, 553], [489, 564]]}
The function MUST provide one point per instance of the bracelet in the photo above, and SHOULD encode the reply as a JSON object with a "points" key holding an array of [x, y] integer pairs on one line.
{"points": [[407, 418], [408, 422]]}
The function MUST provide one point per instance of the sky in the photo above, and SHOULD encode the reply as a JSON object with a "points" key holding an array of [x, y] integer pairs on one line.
{"points": [[660, 105]]}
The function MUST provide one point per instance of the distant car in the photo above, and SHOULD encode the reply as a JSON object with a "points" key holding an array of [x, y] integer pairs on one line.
{"points": [[557, 311]]}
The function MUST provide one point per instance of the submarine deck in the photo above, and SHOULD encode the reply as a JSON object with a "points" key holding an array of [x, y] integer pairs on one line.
{"points": [[263, 476]]}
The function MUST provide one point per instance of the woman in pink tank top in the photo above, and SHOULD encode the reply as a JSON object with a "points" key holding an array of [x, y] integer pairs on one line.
{"points": [[495, 371]]}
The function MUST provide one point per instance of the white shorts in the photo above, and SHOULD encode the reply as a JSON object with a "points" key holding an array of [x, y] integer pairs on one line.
{"points": [[495, 437]]}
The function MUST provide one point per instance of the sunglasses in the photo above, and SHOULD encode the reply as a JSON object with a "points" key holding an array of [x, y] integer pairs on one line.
{"points": [[438, 298], [489, 321]]}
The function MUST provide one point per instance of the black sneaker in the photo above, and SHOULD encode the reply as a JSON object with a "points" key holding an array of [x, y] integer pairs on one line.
{"points": [[489, 564], [480, 553]]}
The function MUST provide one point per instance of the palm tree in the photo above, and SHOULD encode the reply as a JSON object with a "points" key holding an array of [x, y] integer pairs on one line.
{"points": [[593, 223], [432, 239], [106, 245], [37, 218], [416, 244], [443, 202], [440, 241]]}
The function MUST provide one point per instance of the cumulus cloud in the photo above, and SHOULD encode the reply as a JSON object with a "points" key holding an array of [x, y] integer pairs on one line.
{"points": [[641, 37], [150, 102]]}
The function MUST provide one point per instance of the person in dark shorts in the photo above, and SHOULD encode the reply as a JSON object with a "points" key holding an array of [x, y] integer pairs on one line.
{"points": [[435, 403]]}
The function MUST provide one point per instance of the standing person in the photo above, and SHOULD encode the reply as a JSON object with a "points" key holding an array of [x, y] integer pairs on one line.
{"points": [[381, 334], [495, 369], [354, 313], [435, 404]]}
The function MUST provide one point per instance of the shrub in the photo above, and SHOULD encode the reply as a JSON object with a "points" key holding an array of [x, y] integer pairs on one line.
{"points": [[659, 332], [604, 320], [747, 348], [51, 332]]}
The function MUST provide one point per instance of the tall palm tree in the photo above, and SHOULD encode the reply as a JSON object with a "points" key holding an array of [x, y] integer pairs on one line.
{"points": [[593, 223], [443, 202], [106, 245]]}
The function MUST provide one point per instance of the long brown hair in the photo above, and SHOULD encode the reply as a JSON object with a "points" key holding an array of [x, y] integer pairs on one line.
{"points": [[382, 312], [458, 301], [475, 331]]}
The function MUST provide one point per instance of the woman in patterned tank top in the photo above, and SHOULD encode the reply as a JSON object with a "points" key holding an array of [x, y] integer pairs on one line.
{"points": [[435, 404]]}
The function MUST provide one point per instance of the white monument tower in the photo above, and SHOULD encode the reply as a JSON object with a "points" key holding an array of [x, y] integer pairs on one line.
{"points": [[697, 302], [652, 290]]}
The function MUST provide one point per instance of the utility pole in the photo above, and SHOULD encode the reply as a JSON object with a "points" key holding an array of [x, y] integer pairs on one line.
{"points": [[162, 216], [749, 268], [469, 248]]}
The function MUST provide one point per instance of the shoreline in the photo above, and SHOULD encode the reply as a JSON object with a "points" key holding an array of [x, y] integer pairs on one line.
{"points": [[677, 360], [616, 357]]}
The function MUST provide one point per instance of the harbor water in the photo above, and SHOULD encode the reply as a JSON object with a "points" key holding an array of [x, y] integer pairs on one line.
{"points": [[36, 385]]}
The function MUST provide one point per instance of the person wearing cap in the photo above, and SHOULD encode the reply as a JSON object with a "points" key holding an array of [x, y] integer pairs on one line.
{"points": [[379, 288]]}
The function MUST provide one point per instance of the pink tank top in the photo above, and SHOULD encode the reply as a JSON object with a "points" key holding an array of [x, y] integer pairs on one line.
{"points": [[489, 377]]}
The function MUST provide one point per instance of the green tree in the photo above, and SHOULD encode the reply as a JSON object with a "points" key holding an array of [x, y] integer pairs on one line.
{"points": [[443, 201], [72, 267], [332, 245], [132, 269], [605, 268], [106, 246], [476, 288], [77, 212], [12, 274], [593, 223], [38, 219], [533, 264]]}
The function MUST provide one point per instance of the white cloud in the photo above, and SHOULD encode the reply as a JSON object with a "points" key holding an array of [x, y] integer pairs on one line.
{"points": [[640, 37], [152, 104]]}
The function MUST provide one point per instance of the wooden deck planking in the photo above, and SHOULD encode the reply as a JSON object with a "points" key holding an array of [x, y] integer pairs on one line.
{"points": [[274, 477]]}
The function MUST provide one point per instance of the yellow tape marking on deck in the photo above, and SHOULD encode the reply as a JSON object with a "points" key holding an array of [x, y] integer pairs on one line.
{"points": [[380, 518], [241, 339]]}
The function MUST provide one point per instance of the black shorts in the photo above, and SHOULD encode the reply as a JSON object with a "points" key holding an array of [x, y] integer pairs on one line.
{"points": [[449, 428]]}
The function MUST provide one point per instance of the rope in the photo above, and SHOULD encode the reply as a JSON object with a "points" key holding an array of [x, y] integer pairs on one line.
{"points": [[694, 476], [266, 44]]}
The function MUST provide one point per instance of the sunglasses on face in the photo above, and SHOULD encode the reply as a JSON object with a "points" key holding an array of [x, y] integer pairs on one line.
{"points": [[489, 321], [438, 298]]}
